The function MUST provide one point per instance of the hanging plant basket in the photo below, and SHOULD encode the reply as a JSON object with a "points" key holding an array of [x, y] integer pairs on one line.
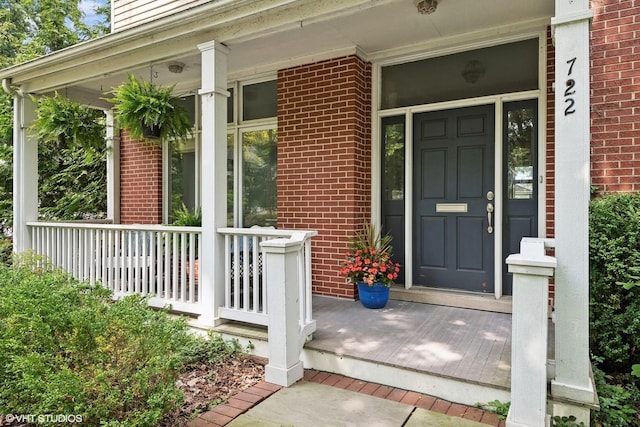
{"points": [[68, 123], [151, 132], [150, 111]]}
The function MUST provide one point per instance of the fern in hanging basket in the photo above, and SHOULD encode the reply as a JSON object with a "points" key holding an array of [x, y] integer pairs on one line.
{"points": [[144, 107], [68, 123]]}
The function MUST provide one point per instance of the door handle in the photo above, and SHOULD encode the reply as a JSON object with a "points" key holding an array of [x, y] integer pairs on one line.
{"points": [[490, 217]]}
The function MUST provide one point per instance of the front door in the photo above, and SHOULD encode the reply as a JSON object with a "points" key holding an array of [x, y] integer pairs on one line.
{"points": [[453, 198]]}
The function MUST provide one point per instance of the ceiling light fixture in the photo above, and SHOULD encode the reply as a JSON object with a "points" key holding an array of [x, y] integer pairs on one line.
{"points": [[176, 67], [426, 7], [473, 71]]}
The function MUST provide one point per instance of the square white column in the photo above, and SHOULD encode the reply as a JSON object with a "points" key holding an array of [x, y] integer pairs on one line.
{"points": [[572, 194], [214, 96], [25, 172]]}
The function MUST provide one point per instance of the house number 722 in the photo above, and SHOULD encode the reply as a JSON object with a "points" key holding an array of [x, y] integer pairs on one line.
{"points": [[569, 90]]}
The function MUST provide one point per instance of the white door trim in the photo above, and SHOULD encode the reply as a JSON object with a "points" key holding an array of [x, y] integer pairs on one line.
{"points": [[497, 101]]}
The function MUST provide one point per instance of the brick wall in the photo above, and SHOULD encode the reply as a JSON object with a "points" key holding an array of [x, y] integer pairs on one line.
{"points": [[324, 159], [140, 181], [550, 151], [615, 83], [550, 141]]}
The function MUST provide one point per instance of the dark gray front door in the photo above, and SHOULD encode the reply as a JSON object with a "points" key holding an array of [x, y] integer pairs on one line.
{"points": [[453, 184]]}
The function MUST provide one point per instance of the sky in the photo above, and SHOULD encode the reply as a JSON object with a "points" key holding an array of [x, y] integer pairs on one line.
{"points": [[88, 7]]}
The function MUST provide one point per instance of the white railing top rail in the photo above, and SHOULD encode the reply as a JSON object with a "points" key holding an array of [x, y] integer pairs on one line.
{"points": [[548, 243], [134, 227], [266, 232]]}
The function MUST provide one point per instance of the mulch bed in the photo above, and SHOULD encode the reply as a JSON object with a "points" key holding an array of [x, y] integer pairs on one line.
{"points": [[207, 385]]}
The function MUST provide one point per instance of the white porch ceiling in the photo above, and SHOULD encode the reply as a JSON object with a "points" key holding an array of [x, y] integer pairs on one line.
{"points": [[375, 28]]}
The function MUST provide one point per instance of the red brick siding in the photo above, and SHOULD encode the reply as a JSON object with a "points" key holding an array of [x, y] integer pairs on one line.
{"points": [[550, 151], [324, 159], [140, 181], [550, 141], [615, 84]]}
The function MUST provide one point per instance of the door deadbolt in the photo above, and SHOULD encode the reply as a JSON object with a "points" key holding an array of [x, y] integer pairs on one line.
{"points": [[490, 195]]}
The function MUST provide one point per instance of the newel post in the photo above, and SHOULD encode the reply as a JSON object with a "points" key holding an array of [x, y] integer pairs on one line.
{"points": [[531, 270], [281, 264]]}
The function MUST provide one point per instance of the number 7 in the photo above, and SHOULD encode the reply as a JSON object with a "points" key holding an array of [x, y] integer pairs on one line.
{"points": [[571, 62]]}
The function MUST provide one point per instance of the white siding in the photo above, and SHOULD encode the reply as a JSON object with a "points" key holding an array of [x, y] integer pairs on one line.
{"points": [[129, 13]]}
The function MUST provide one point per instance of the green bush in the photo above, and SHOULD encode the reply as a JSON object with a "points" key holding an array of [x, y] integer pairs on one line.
{"points": [[6, 249], [619, 399], [210, 350], [66, 348], [615, 281]]}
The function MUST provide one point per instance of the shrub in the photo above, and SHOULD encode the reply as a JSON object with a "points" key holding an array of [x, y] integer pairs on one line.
{"points": [[6, 249], [618, 402], [615, 281], [66, 348], [210, 350]]}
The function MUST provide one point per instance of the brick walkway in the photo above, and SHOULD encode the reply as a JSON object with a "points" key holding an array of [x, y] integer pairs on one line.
{"points": [[238, 404]]}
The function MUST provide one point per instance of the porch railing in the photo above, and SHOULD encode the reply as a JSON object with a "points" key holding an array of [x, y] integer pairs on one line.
{"points": [[162, 262], [153, 260], [245, 274]]}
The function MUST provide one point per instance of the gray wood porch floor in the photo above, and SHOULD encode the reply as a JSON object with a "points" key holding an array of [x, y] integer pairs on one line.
{"points": [[463, 344]]}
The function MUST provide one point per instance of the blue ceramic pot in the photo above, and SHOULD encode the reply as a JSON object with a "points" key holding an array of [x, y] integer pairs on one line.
{"points": [[374, 296]]}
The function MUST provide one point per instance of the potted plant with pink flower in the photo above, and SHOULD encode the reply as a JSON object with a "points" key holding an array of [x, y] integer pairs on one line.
{"points": [[368, 263]]}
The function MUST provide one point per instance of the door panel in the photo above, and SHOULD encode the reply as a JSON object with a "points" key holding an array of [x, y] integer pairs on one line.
{"points": [[470, 172], [453, 172], [433, 231], [434, 175], [470, 243]]}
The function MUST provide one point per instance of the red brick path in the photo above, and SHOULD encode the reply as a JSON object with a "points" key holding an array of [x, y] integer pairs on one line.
{"points": [[238, 404]]}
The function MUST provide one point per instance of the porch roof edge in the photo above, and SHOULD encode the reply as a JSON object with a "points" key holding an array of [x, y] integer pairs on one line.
{"points": [[205, 18]]}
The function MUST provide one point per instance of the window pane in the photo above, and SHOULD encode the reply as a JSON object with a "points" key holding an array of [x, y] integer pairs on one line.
{"points": [[393, 188], [188, 103], [183, 180], [499, 69], [520, 154], [259, 157], [230, 180], [393, 161], [259, 100], [230, 106]]}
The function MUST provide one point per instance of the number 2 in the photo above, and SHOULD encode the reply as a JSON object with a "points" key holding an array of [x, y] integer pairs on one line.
{"points": [[569, 109]]}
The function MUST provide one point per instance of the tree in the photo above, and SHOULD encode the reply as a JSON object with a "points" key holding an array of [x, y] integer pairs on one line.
{"points": [[71, 158], [29, 29]]}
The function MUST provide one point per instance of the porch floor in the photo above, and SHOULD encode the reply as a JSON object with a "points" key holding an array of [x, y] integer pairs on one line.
{"points": [[457, 354], [463, 344]]}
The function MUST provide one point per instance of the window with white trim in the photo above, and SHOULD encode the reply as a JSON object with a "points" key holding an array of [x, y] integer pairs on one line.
{"points": [[251, 161]]}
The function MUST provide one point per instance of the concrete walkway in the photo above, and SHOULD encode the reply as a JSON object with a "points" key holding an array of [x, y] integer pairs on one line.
{"points": [[323, 399]]}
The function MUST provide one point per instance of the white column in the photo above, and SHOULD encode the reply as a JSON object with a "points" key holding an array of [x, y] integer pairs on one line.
{"points": [[281, 264], [113, 169], [572, 174], [531, 270], [25, 172], [214, 177]]}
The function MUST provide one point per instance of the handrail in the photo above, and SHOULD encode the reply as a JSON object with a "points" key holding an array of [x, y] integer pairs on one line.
{"points": [[245, 274], [163, 261], [155, 260], [103, 226], [264, 231]]}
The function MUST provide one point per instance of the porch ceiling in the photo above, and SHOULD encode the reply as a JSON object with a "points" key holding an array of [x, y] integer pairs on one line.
{"points": [[273, 39]]}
